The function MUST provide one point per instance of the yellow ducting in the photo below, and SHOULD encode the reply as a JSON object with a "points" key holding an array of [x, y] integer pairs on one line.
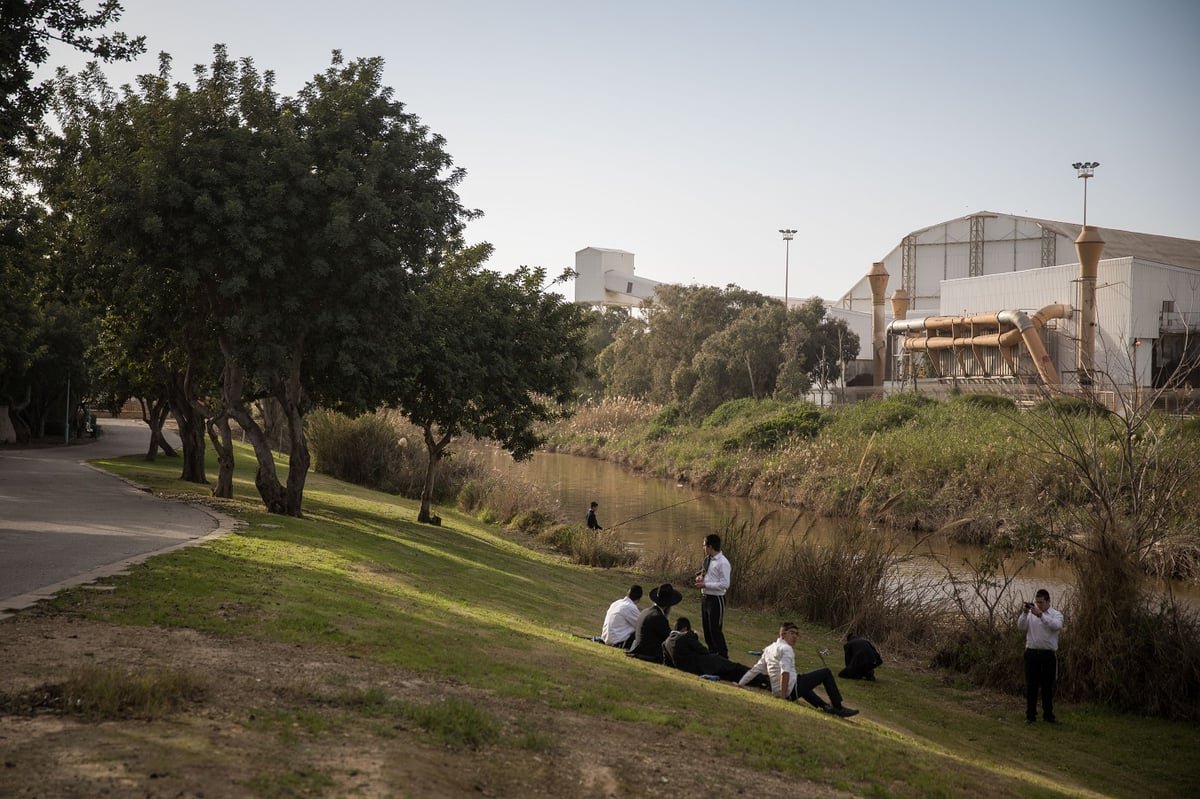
{"points": [[998, 329]]}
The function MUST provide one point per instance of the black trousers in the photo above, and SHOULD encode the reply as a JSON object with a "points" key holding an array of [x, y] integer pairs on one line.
{"points": [[1041, 672], [805, 683], [712, 613]]}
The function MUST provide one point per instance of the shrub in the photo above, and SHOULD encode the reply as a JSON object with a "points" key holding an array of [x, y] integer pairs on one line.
{"points": [[364, 451], [670, 416], [1191, 427], [771, 433], [1070, 406], [991, 402], [877, 416]]}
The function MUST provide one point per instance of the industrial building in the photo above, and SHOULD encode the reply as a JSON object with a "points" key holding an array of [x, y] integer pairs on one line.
{"points": [[963, 296], [999, 299]]}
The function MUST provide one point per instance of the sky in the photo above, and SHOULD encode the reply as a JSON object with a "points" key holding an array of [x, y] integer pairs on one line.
{"points": [[690, 133]]}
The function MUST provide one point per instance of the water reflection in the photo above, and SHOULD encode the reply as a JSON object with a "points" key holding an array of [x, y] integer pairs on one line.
{"points": [[653, 515]]}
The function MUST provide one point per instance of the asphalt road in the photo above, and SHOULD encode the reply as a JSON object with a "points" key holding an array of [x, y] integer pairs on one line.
{"points": [[65, 523]]}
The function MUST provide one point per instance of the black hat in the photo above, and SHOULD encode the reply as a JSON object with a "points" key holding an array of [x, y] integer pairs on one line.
{"points": [[665, 596]]}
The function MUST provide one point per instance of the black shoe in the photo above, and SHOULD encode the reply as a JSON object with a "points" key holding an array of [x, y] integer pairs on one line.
{"points": [[841, 711]]}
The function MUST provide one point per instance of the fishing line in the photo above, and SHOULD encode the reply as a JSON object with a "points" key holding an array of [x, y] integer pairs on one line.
{"points": [[651, 513]]}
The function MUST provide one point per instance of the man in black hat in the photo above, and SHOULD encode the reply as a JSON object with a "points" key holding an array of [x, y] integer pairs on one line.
{"points": [[653, 627]]}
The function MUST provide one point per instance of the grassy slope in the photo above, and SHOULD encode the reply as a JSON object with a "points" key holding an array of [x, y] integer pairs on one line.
{"points": [[358, 575]]}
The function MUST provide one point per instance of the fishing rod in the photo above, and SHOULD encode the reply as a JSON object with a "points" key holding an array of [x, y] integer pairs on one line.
{"points": [[651, 513]]}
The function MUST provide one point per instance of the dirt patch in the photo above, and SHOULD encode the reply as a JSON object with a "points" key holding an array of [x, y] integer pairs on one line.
{"points": [[272, 722]]}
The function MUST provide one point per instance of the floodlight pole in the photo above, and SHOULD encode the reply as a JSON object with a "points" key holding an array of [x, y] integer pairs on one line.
{"points": [[1085, 170], [788, 234]]}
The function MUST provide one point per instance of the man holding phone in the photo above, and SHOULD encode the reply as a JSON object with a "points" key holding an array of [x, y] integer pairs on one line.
{"points": [[1041, 624]]}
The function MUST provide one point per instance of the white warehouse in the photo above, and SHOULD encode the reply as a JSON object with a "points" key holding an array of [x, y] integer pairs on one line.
{"points": [[974, 291]]}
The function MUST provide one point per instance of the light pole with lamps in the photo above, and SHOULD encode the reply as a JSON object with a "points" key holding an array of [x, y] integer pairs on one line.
{"points": [[1086, 169], [788, 234]]}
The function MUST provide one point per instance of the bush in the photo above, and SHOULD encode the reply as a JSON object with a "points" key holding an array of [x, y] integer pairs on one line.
{"points": [[877, 416], [602, 548], [365, 451], [990, 402], [1191, 427], [1070, 406], [498, 498], [771, 433], [670, 416], [730, 411]]}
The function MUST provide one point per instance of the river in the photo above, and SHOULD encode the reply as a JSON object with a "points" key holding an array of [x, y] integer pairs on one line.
{"points": [[652, 515]]}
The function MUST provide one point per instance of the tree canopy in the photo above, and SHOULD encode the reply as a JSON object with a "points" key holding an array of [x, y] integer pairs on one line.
{"points": [[27, 27], [296, 231], [702, 346], [498, 355]]}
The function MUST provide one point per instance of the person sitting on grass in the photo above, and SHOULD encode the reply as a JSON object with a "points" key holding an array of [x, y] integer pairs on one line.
{"points": [[683, 650], [653, 627], [778, 662], [620, 622]]}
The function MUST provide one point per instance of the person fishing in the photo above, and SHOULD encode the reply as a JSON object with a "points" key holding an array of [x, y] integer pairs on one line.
{"points": [[592, 522]]}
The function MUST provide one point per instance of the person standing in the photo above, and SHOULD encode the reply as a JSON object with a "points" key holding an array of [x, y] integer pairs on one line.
{"points": [[592, 523], [653, 627], [778, 662], [713, 582], [620, 622], [1041, 624]]}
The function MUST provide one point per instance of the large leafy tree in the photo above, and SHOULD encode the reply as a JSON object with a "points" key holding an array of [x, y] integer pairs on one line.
{"points": [[20, 254], [741, 360], [679, 321], [815, 351], [27, 28], [296, 229], [498, 355]]}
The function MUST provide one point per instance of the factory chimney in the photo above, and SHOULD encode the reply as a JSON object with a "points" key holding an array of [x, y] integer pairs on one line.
{"points": [[1088, 247], [878, 278]]}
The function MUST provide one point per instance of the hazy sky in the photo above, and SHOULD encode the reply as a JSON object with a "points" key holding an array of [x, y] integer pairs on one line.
{"points": [[689, 133]]}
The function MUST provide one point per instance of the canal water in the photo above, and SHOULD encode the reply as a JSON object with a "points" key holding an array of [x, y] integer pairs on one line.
{"points": [[653, 515]]}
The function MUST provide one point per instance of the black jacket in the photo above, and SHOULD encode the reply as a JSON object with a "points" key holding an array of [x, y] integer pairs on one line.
{"points": [[652, 630]]}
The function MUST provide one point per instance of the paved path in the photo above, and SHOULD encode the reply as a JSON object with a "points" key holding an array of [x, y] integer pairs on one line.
{"points": [[64, 523]]}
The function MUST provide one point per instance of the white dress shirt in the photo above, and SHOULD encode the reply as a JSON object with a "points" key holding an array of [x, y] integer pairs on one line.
{"points": [[620, 622]]}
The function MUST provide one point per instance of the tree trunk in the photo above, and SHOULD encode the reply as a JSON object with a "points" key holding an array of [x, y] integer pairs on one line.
{"points": [[155, 416], [190, 419], [20, 426], [434, 448], [278, 499], [222, 441], [299, 459]]}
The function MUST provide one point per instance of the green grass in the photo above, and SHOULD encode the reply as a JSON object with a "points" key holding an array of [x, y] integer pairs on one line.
{"points": [[465, 603]]}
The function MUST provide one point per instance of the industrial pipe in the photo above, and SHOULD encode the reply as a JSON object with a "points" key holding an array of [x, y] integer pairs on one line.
{"points": [[1023, 328]]}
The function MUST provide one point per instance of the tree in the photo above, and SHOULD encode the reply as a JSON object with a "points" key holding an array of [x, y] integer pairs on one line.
{"points": [[601, 333], [816, 350], [1121, 503], [677, 324], [498, 354], [741, 360], [295, 230], [26, 29]]}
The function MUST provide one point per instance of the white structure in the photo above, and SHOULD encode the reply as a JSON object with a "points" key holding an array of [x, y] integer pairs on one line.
{"points": [[605, 277], [1147, 294], [1142, 311]]}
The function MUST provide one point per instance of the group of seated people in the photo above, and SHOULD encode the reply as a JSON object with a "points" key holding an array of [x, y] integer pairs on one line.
{"points": [[647, 634]]}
